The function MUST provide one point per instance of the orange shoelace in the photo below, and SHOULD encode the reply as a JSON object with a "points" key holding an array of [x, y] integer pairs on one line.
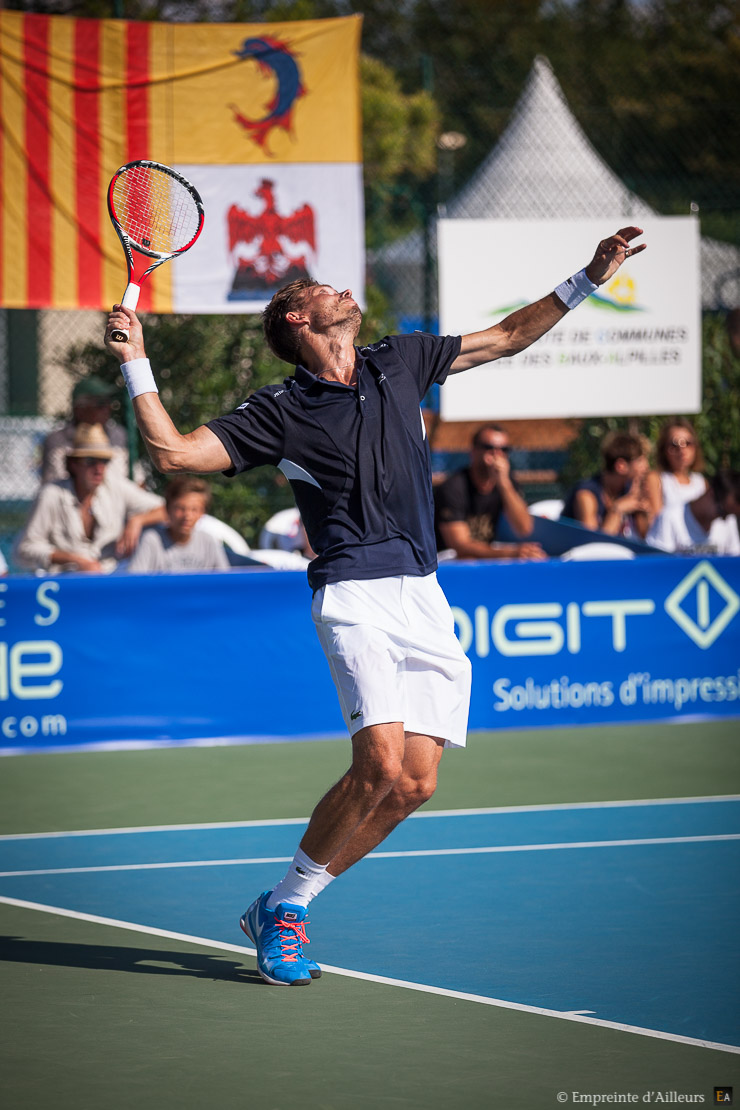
{"points": [[288, 945]]}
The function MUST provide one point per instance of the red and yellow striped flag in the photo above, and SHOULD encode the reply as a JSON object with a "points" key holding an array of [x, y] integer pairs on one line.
{"points": [[263, 118]]}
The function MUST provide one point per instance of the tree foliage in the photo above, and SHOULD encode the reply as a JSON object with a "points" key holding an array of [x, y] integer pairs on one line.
{"points": [[399, 150]]}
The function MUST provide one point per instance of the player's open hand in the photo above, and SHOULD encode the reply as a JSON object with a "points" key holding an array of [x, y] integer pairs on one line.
{"points": [[612, 252], [121, 318]]}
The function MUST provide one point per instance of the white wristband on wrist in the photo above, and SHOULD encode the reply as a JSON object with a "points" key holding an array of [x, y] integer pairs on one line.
{"points": [[575, 289], [138, 377]]}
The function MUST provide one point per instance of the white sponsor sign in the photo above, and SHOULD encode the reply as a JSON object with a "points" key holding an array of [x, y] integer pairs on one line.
{"points": [[633, 347], [266, 225]]}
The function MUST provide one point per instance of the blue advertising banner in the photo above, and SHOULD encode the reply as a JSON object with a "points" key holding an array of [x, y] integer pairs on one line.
{"points": [[597, 642], [234, 656]]}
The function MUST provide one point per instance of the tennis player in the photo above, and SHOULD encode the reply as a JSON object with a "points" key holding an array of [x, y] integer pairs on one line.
{"points": [[346, 430]]}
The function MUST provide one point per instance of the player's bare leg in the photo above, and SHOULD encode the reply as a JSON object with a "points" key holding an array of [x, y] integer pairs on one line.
{"points": [[378, 753], [414, 786], [392, 774], [275, 921]]}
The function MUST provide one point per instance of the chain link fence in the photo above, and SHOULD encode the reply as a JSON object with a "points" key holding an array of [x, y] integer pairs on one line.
{"points": [[542, 164]]}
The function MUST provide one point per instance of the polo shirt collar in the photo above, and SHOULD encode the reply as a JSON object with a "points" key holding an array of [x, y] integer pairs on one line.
{"points": [[306, 379]]}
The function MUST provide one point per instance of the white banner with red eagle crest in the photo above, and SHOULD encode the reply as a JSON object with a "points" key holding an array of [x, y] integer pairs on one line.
{"points": [[263, 231], [263, 118]]}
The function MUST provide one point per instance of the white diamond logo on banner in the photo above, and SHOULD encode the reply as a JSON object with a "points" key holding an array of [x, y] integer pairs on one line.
{"points": [[703, 631]]}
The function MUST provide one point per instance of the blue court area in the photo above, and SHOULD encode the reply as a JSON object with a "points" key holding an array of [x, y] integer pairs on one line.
{"points": [[625, 912]]}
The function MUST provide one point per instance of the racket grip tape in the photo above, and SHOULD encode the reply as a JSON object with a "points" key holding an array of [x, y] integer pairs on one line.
{"points": [[130, 299]]}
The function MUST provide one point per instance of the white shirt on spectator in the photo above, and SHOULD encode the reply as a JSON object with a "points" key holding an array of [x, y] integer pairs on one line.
{"points": [[676, 528], [55, 523], [678, 493]]}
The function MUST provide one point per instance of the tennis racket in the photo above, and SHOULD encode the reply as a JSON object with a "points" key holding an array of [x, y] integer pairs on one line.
{"points": [[157, 214]]}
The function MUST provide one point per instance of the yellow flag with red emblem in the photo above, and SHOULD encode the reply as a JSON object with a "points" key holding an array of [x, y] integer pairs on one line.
{"points": [[263, 119]]}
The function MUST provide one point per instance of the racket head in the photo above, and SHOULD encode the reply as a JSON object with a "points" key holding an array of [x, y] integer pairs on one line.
{"points": [[155, 210]]}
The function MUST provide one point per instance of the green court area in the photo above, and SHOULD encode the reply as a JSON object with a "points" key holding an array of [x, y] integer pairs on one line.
{"points": [[78, 790], [96, 1015]]}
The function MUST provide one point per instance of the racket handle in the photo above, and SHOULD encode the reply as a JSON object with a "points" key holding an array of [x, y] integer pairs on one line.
{"points": [[130, 299]]}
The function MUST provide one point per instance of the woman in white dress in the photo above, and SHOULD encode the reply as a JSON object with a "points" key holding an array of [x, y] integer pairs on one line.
{"points": [[678, 478]]}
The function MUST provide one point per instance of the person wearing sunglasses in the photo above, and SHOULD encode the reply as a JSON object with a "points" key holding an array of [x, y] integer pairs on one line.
{"points": [[470, 503], [679, 476]]}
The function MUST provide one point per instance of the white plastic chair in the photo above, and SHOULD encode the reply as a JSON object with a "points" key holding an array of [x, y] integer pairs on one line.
{"points": [[283, 532], [550, 509], [587, 551], [228, 536]]}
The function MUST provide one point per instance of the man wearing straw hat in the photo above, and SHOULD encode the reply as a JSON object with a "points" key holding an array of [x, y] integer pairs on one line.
{"points": [[90, 520]]}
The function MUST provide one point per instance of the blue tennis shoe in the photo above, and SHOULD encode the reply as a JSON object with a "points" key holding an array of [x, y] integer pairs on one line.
{"points": [[279, 935]]}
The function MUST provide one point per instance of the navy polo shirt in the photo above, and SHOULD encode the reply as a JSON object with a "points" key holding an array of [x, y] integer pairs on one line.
{"points": [[356, 457]]}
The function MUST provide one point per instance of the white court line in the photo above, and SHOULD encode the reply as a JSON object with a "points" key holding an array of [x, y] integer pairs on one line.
{"points": [[563, 1015], [124, 831], [158, 866], [541, 808]]}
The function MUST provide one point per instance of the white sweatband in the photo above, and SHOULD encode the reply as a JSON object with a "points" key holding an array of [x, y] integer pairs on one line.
{"points": [[575, 289], [138, 377]]}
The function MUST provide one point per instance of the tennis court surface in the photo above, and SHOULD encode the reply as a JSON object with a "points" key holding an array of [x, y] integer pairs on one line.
{"points": [[557, 941]]}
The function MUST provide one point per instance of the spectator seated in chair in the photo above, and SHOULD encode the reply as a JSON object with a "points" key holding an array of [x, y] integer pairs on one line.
{"points": [[179, 544], [707, 524], [614, 500], [90, 520], [469, 504], [679, 475]]}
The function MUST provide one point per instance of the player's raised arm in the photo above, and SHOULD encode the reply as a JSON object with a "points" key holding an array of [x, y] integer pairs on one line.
{"points": [[199, 451], [517, 331]]}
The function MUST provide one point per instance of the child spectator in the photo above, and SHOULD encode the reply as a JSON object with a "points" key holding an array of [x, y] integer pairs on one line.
{"points": [[178, 545]]}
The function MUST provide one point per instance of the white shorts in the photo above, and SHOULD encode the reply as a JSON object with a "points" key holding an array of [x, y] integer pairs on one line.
{"points": [[394, 655]]}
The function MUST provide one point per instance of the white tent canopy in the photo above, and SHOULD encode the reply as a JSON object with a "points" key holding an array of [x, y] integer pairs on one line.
{"points": [[544, 166]]}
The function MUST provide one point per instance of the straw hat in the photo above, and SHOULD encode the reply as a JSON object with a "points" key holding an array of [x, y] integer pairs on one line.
{"points": [[90, 442]]}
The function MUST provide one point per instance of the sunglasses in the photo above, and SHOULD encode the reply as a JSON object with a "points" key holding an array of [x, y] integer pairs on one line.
{"points": [[681, 443], [493, 447]]}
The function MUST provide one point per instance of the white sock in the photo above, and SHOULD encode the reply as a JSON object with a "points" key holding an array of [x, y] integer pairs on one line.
{"points": [[299, 882], [322, 881]]}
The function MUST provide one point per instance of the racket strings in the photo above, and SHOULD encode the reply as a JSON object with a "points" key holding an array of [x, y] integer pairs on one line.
{"points": [[155, 210]]}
